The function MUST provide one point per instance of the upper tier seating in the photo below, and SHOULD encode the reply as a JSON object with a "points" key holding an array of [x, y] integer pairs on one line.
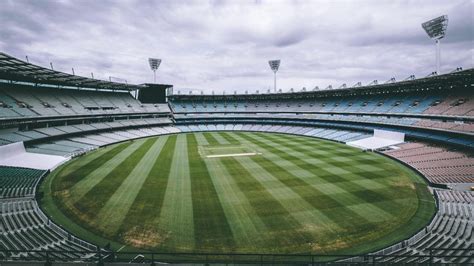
{"points": [[439, 104], [453, 104], [441, 111], [23, 101], [459, 126]]}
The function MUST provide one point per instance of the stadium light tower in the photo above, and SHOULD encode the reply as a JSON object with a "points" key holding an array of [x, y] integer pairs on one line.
{"points": [[436, 29], [274, 65], [154, 64]]}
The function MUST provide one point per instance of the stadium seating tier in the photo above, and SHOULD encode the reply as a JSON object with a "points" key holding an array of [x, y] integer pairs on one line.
{"points": [[69, 122]]}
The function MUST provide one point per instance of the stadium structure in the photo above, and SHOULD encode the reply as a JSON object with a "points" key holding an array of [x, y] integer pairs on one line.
{"points": [[243, 178]]}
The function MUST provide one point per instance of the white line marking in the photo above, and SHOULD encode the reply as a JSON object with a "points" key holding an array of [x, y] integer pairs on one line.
{"points": [[233, 155]]}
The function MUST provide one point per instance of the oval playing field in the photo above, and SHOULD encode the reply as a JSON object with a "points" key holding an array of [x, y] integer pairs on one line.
{"points": [[237, 192]]}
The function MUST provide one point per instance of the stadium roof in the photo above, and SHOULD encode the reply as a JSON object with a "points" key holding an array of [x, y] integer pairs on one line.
{"points": [[446, 81], [15, 69]]}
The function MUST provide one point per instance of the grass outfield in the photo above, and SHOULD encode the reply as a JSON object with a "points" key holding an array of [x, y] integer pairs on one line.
{"points": [[270, 193]]}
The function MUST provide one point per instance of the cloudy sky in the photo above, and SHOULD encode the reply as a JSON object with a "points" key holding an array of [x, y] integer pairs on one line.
{"points": [[225, 45]]}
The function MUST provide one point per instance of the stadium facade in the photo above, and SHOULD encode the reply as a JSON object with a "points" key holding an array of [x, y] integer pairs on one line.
{"points": [[49, 113]]}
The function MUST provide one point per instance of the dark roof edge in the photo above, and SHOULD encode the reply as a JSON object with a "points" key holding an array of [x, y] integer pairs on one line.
{"points": [[17, 70]]}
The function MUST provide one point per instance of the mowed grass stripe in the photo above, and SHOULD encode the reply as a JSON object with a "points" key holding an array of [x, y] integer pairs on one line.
{"points": [[342, 156], [352, 196], [364, 190], [142, 223], [96, 197], [176, 216], [219, 138], [336, 149], [379, 204], [248, 230], [400, 190], [210, 138], [200, 138], [327, 167], [289, 165], [211, 227], [284, 229], [112, 214], [318, 199], [81, 168], [327, 171], [311, 219], [337, 155], [229, 138], [313, 141], [380, 219], [175, 226], [81, 188]]}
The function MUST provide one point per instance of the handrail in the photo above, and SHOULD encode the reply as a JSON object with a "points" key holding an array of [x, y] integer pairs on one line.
{"points": [[209, 257]]}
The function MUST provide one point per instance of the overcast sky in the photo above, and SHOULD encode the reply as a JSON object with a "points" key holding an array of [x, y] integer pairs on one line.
{"points": [[225, 45]]}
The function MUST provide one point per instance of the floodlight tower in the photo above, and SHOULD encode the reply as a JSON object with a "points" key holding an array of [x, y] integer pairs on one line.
{"points": [[154, 64], [436, 29], [274, 65]]}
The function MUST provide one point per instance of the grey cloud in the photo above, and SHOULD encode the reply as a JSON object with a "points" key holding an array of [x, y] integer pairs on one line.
{"points": [[461, 23], [216, 45], [290, 38]]}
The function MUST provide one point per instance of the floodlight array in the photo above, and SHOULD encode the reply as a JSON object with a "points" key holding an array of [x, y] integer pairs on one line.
{"points": [[274, 65], [154, 63], [436, 28]]}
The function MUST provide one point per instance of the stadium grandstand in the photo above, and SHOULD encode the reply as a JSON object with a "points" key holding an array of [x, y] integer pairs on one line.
{"points": [[57, 116]]}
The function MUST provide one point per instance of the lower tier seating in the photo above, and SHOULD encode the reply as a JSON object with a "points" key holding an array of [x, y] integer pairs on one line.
{"points": [[449, 138], [12, 135], [18, 182], [448, 238], [24, 227], [326, 133], [438, 164]]}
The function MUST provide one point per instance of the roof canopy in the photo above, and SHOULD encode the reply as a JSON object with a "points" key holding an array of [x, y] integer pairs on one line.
{"points": [[12, 68], [455, 80]]}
